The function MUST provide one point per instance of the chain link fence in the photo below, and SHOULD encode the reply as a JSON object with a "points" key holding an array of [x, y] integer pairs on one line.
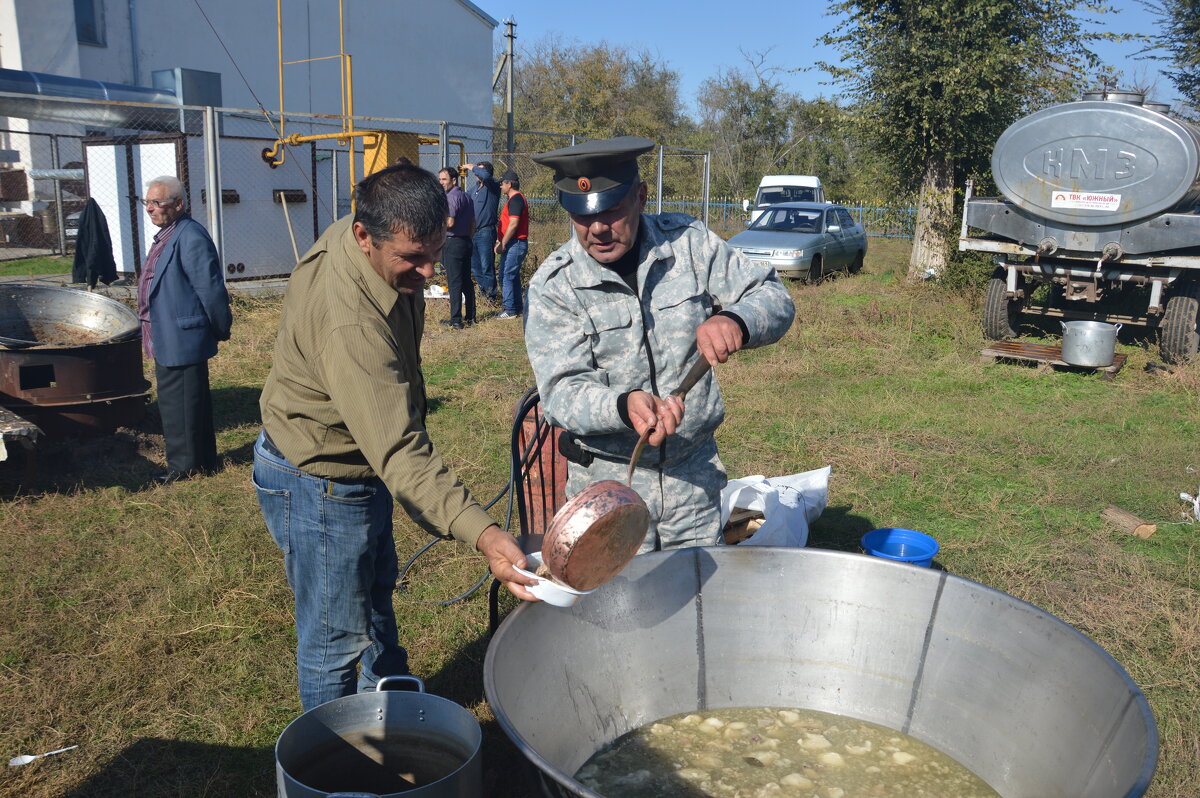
{"points": [[40, 205], [56, 153], [268, 214]]}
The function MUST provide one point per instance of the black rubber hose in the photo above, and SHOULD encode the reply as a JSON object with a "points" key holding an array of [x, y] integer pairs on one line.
{"points": [[515, 465]]}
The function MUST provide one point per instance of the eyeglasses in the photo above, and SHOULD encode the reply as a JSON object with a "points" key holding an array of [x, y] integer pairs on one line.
{"points": [[157, 203]]}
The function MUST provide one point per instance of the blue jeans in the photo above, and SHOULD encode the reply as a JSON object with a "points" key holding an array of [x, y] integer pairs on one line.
{"points": [[483, 260], [510, 275], [340, 559]]}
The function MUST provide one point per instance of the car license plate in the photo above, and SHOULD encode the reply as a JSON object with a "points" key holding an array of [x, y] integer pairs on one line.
{"points": [[764, 263]]}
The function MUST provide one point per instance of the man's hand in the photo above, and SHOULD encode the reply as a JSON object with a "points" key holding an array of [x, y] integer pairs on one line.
{"points": [[503, 553], [648, 411], [718, 338], [499, 248]]}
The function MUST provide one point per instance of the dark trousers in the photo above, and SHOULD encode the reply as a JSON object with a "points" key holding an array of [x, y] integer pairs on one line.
{"points": [[483, 260], [456, 257], [185, 404]]}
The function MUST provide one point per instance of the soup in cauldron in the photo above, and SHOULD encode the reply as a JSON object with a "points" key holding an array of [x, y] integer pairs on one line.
{"points": [[764, 752]]}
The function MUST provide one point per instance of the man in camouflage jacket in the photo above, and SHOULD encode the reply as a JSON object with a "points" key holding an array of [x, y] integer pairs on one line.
{"points": [[617, 317]]}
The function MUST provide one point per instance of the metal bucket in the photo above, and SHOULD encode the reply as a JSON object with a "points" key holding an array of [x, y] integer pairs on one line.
{"points": [[1029, 704], [1089, 343], [382, 744]]}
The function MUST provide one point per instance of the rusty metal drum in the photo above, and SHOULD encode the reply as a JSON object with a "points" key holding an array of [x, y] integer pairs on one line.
{"points": [[70, 361]]}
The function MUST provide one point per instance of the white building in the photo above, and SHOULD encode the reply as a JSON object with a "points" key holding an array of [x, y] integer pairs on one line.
{"points": [[411, 59], [417, 59]]}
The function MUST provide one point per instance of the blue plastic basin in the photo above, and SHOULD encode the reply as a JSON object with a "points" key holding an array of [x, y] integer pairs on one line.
{"points": [[901, 545]]}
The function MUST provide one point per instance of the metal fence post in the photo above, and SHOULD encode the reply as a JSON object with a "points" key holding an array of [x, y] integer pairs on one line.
{"points": [[660, 179], [444, 143], [707, 178], [212, 181], [60, 217], [337, 197]]}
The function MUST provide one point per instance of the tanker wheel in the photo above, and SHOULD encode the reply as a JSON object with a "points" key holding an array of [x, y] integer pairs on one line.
{"points": [[1001, 315], [856, 264], [814, 271], [1178, 337]]}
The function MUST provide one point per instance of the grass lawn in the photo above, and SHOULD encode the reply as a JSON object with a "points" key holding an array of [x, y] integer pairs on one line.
{"points": [[27, 267], [152, 626]]}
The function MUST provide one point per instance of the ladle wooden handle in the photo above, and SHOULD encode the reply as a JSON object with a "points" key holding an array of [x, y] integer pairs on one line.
{"points": [[698, 370]]}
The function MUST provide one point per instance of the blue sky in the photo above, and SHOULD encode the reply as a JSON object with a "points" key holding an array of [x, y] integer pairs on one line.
{"points": [[698, 38]]}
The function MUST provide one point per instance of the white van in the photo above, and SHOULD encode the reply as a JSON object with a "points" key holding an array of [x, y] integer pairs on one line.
{"points": [[774, 189]]}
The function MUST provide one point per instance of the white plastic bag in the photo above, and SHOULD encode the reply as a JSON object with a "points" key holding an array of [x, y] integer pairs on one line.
{"points": [[788, 505]]}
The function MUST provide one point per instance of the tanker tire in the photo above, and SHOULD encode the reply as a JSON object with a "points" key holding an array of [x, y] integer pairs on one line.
{"points": [[1001, 315], [814, 271], [856, 264], [1178, 337]]}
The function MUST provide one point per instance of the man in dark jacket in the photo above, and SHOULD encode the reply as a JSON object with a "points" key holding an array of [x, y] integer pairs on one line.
{"points": [[486, 197], [184, 309]]}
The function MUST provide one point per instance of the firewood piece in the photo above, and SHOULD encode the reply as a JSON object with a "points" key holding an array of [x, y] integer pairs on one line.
{"points": [[1128, 522], [736, 533]]}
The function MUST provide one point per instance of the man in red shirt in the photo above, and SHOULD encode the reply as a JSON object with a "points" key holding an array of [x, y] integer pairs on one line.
{"points": [[513, 243]]}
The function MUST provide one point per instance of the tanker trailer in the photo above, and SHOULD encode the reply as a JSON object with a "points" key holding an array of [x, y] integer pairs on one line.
{"points": [[1100, 205]]}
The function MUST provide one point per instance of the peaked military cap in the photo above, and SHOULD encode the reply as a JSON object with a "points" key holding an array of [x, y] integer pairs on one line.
{"points": [[594, 176]]}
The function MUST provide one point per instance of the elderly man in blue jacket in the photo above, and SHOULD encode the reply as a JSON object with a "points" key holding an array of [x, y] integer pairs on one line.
{"points": [[184, 310]]}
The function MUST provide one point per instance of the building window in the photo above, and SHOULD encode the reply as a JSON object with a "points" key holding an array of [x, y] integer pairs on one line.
{"points": [[89, 21]]}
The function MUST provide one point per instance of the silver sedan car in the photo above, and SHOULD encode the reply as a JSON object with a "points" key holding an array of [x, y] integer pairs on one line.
{"points": [[804, 239]]}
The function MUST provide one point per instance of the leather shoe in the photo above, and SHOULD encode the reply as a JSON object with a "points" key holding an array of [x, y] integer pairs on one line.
{"points": [[454, 325]]}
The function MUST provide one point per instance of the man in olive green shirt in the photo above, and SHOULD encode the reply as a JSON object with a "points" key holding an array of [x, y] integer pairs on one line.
{"points": [[344, 432]]}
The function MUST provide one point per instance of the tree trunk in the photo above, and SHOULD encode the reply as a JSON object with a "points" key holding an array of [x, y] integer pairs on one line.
{"points": [[935, 222]]}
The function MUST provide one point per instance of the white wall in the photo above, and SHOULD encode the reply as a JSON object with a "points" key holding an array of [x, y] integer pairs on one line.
{"points": [[421, 59], [39, 36]]}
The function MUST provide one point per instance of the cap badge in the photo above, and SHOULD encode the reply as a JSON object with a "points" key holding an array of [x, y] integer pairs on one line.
{"points": [[585, 184]]}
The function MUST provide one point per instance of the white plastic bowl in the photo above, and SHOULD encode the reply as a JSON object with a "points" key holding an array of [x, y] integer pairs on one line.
{"points": [[548, 590]]}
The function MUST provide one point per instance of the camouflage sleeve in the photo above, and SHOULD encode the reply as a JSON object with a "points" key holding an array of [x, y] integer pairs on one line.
{"points": [[574, 392], [755, 293]]}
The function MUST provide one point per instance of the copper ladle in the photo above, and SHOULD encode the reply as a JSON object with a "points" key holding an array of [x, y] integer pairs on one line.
{"points": [[598, 531]]}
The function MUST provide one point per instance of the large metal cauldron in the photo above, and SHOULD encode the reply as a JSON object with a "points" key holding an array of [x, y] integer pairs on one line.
{"points": [[70, 361], [1028, 703]]}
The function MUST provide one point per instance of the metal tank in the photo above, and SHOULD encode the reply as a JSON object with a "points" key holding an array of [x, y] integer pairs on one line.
{"points": [[1099, 162], [1100, 199], [1028, 703]]}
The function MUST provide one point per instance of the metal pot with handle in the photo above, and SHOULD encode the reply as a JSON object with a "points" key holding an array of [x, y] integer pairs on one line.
{"points": [[1089, 343], [392, 742]]}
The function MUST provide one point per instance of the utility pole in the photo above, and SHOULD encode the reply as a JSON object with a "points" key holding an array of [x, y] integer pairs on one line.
{"points": [[506, 65]]}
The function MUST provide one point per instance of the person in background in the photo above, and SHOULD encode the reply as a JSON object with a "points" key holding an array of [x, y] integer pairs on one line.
{"points": [[344, 434], [513, 245], [184, 309], [486, 198], [456, 256], [617, 318]]}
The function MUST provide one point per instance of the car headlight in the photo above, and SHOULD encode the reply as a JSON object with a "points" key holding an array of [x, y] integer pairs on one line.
{"points": [[789, 253]]}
